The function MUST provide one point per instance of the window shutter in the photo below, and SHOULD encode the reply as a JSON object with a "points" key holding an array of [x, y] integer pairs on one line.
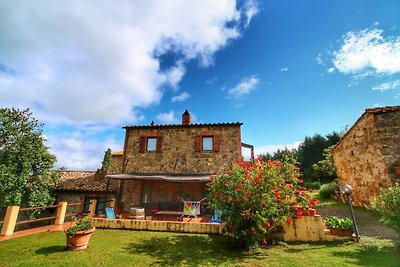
{"points": [[159, 144], [197, 143], [142, 144], [216, 143]]}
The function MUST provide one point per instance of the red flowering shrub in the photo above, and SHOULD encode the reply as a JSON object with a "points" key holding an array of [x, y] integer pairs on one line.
{"points": [[255, 198]]}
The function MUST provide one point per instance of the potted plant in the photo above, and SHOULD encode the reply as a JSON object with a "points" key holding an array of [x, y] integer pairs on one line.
{"points": [[79, 233], [337, 226]]}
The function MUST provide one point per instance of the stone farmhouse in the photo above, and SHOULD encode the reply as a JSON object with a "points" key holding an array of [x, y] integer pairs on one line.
{"points": [[364, 157], [158, 164]]}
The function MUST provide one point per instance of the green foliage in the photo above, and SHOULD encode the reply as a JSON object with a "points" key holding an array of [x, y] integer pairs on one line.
{"points": [[327, 190], [313, 185], [106, 164], [325, 168], [79, 225], [257, 197], [335, 222], [311, 151], [25, 162], [281, 154], [388, 206]]}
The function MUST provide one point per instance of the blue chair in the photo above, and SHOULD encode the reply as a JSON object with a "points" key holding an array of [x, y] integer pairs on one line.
{"points": [[216, 218], [110, 214]]}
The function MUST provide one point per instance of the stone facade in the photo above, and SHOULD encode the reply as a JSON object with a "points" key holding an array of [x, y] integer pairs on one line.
{"points": [[364, 156], [178, 153], [116, 162]]}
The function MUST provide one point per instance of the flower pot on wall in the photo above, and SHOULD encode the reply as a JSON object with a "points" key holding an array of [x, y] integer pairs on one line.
{"points": [[341, 232], [80, 240]]}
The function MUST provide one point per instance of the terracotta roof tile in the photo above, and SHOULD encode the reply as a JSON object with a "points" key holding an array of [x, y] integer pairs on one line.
{"points": [[84, 181], [181, 125], [118, 153], [382, 109]]}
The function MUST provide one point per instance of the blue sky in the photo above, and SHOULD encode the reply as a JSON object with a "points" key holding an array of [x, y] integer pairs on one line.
{"points": [[286, 69]]}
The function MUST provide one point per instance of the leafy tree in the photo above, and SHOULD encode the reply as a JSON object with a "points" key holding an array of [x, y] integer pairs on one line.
{"points": [[106, 164], [281, 154], [325, 169], [25, 162]]}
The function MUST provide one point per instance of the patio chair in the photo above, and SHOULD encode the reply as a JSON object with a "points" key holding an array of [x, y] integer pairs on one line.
{"points": [[216, 218], [110, 214]]}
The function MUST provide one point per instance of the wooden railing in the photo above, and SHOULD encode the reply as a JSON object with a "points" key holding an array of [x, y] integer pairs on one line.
{"points": [[11, 217]]}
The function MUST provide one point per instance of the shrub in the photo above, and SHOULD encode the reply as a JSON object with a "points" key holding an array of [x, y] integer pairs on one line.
{"points": [[335, 222], [257, 197], [388, 206], [80, 225], [313, 185], [327, 190]]}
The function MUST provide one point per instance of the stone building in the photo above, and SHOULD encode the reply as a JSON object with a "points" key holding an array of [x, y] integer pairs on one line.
{"points": [[163, 162], [84, 186], [364, 156]]}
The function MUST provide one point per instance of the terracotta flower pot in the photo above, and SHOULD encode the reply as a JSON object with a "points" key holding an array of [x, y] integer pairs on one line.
{"points": [[341, 232], [397, 170], [80, 240]]}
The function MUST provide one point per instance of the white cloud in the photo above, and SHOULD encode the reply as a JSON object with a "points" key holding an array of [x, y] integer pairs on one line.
{"points": [[387, 86], [181, 97], [167, 118], [368, 50], [86, 62], [245, 86], [331, 70], [269, 149], [251, 9], [79, 151], [284, 69]]}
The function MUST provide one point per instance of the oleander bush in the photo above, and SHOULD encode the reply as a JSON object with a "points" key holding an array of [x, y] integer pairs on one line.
{"points": [[257, 197]]}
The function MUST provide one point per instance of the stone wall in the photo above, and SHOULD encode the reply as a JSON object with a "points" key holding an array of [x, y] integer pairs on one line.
{"points": [[116, 164], [359, 160], [178, 153], [388, 128]]}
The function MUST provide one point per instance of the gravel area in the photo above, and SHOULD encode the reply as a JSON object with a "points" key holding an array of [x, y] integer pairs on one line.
{"points": [[368, 223]]}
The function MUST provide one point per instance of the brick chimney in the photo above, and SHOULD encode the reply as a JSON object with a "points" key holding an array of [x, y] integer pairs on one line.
{"points": [[186, 118]]}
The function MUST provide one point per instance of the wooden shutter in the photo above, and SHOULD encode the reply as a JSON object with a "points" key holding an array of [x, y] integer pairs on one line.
{"points": [[197, 143], [142, 144], [159, 144], [216, 143]]}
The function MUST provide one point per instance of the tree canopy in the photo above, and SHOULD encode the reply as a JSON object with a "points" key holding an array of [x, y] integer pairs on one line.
{"points": [[26, 178], [106, 164]]}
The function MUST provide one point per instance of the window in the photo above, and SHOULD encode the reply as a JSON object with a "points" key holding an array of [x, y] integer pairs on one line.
{"points": [[100, 205], [207, 143], [151, 143]]}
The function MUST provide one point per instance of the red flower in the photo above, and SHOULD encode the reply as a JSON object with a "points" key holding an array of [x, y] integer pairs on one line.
{"points": [[239, 188], [267, 224], [215, 172], [265, 242], [264, 203], [300, 181], [289, 221]]}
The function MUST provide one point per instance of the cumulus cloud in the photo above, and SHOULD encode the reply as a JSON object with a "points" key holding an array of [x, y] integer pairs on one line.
{"points": [[246, 86], [368, 50], [284, 69], [331, 70], [387, 86], [79, 150], [167, 118], [269, 149], [88, 62], [181, 97]]}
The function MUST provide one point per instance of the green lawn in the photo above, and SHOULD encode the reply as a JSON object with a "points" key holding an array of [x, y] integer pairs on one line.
{"points": [[140, 248]]}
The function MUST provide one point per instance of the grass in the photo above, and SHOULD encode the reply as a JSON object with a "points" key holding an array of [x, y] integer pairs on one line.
{"points": [[140, 248]]}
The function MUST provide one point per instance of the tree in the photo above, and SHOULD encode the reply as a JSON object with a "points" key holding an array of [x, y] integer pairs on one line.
{"points": [[106, 164], [325, 169], [281, 154], [25, 162]]}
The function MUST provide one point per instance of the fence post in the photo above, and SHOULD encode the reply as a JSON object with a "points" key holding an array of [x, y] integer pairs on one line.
{"points": [[61, 210], [92, 208], [112, 202], [10, 220]]}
